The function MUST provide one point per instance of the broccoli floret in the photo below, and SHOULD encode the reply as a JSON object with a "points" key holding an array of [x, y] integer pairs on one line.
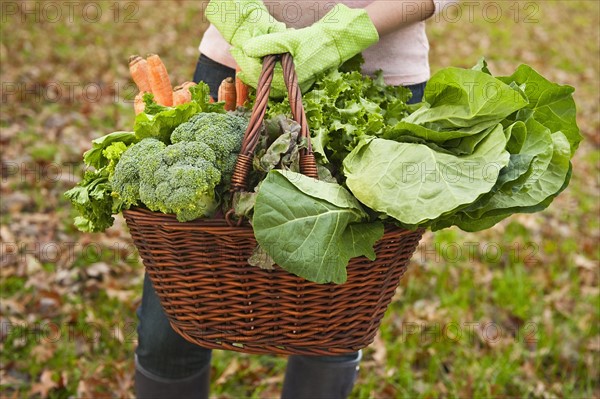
{"points": [[125, 181], [221, 132], [227, 167], [181, 180]]}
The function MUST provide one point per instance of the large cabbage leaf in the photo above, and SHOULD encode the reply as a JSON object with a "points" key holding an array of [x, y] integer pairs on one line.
{"points": [[414, 184], [551, 104], [458, 103], [539, 167], [541, 184], [312, 228]]}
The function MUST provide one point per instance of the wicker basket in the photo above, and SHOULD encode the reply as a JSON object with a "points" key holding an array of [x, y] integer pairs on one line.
{"points": [[213, 298]]}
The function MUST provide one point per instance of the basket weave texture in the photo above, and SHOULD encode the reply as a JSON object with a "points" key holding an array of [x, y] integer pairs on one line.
{"points": [[215, 299]]}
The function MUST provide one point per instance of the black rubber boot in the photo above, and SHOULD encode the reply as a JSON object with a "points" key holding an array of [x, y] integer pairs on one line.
{"points": [[149, 386], [309, 377]]}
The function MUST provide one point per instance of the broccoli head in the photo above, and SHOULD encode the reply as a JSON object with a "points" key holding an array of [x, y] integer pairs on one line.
{"points": [[181, 179], [221, 132], [125, 181], [187, 177]]}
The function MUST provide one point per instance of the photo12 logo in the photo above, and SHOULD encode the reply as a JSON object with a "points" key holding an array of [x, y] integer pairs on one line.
{"points": [[491, 252], [488, 11], [67, 92], [68, 252], [68, 11], [49, 332], [470, 332]]}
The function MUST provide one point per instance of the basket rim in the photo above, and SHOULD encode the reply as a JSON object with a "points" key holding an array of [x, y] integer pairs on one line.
{"points": [[170, 220]]}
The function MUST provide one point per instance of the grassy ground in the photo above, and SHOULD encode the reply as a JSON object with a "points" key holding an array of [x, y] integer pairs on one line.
{"points": [[509, 312]]}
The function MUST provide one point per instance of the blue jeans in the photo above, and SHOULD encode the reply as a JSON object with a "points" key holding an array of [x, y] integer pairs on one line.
{"points": [[161, 351]]}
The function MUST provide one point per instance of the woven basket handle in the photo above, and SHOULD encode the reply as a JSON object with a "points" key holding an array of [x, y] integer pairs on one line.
{"points": [[308, 166]]}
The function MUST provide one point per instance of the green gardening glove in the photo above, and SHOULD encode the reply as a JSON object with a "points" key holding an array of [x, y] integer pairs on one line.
{"points": [[238, 21], [341, 34]]}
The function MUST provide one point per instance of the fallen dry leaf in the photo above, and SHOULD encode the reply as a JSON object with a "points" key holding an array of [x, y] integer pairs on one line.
{"points": [[230, 370], [45, 385], [42, 353], [380, 353]]}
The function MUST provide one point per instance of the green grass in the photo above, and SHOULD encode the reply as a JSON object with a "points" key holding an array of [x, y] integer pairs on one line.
{"points": [[509, 312]]}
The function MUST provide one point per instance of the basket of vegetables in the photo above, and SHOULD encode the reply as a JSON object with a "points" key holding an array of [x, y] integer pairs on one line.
{"points": [[271, 234]]}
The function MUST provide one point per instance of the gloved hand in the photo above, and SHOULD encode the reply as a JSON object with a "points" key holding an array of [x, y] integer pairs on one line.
{"points": [[238, 21], [342, 33]]}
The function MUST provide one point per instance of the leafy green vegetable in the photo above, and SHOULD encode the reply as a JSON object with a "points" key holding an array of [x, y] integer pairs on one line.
{"points": [[465, 100], [551, 104], [160, 121], [113, 153], [458, 104], [312, 228], [92, 197], [414, 184], [94, 157], [92, 200], [343, 107], [283, 151], [540, 185], [542, 137], [465, 222]]}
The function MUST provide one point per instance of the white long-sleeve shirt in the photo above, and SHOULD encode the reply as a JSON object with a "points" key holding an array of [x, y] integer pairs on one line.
{"points": [[403, 55]]}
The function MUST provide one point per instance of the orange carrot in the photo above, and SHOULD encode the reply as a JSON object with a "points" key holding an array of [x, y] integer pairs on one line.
{"points": [[227, 93], [138, 103], [188, 84], [181, 93], [241, 90], [138, 67], [186, 87], [159, 81], [180, 96]]}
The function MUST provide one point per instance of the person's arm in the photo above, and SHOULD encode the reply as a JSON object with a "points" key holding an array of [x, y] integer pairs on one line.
{"points": [[389, 18]]}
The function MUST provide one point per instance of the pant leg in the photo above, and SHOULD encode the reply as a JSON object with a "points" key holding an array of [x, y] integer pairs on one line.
{"points": [[335, 358], [325, 377], [212, 73], [417, 91], [161, 351]]}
